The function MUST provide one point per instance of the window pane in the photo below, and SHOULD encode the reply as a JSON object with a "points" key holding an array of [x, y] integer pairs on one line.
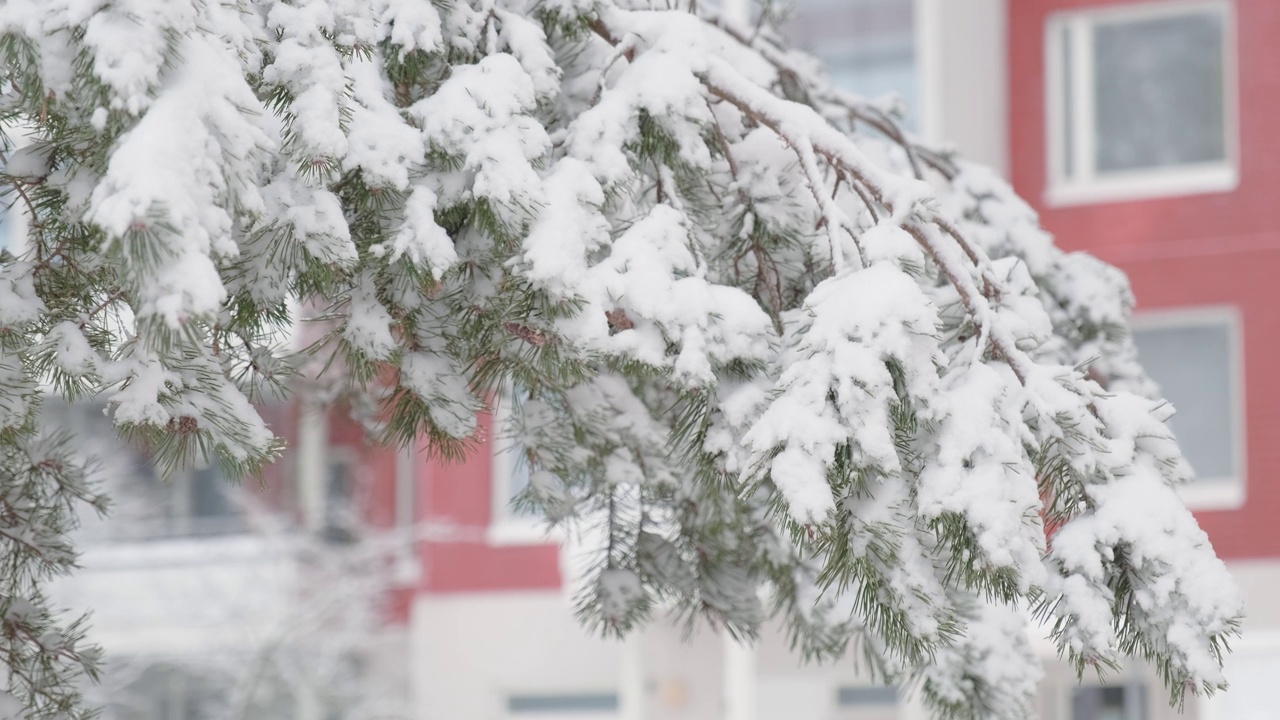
{"points": [[585, 703], [863, 696], [868, 46], [1193, 366], [163, 692], [210, 496], [1109, 703], [511, 463], [1159, 92], [339, 510], [516, 467], [866, 703]]}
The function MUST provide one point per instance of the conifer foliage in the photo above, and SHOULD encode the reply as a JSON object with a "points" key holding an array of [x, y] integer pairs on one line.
{"points": [[786, 360]]}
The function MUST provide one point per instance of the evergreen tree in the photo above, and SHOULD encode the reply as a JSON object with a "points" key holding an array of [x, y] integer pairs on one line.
{"points": [[787, 360]]}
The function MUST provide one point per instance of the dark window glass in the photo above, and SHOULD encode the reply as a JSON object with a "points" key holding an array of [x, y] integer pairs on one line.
{"points": [[867, 46], [1158, 87], [1126, 702], [1193, 365], [339, 517], [562, 704]]}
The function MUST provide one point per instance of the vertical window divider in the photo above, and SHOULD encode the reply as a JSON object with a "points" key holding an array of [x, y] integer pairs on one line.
{"points": [[1083, 120]]}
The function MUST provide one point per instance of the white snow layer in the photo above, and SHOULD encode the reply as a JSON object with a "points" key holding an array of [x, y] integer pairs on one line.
{"points": [[927, 376]]}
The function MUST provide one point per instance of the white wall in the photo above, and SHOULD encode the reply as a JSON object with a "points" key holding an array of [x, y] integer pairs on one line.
{"points": [[964, 68], [1253, 667], [179, 596], [471, 651]]}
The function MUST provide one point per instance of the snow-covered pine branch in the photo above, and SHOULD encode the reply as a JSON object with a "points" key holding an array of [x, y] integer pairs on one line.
{"points": [[783, 359]]}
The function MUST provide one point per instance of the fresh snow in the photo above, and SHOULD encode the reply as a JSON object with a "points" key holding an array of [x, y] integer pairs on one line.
{"points": [[757, 343]]}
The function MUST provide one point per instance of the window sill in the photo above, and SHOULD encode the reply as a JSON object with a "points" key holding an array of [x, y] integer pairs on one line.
{"points": [[521, 531], [1213, 494], [1146, 185], [176, 552]]}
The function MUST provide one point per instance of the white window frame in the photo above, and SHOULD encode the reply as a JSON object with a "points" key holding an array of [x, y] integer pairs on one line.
{"points": [[506, 527], [1085, 185], [407, 490], [1213, 493]]}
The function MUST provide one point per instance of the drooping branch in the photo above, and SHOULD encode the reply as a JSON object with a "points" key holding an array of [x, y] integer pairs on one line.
{"points": [[921, 223]]}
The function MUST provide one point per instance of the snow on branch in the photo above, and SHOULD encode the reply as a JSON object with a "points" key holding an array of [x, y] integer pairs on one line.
{"points": [[755, 334]]}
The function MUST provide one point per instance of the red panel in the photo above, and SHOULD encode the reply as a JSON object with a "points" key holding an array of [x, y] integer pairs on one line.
{"points": [[1246, 279], [461, 492], [1221, 248], [458, 501], [471, 567]]}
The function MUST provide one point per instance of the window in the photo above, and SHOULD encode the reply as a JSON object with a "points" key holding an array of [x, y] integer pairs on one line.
{"points": [[510, 477], [1141, 101], [867, 46], [867, 702], [1124, 702], [166, 692], [341, 520], [188, 504], [1195, 358], [198, 502], [139, 689], [571, 706]]}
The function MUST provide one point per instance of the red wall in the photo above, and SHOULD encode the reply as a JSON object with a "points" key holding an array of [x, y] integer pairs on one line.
{"points": [[460, 496], [1209, 249], [453, 505]]}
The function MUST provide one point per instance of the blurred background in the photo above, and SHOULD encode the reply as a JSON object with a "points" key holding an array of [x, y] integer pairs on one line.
{"points": [[358, 582]]}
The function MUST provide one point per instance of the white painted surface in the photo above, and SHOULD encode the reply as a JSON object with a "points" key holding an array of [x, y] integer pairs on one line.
{"points": [[1252, 670], [180, 597], [963, 64], [470, 652], [633, 695], [783, 697], [740, 700]]}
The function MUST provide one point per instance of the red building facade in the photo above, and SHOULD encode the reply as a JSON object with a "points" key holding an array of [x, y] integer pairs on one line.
{"points": [[1189, 245]]}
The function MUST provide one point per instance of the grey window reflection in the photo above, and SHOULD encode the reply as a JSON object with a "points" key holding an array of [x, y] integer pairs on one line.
{"points": [[145, 506], [563, 704], [867, 46], [1126, 702], [1193, 365], [1159, 92]]}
